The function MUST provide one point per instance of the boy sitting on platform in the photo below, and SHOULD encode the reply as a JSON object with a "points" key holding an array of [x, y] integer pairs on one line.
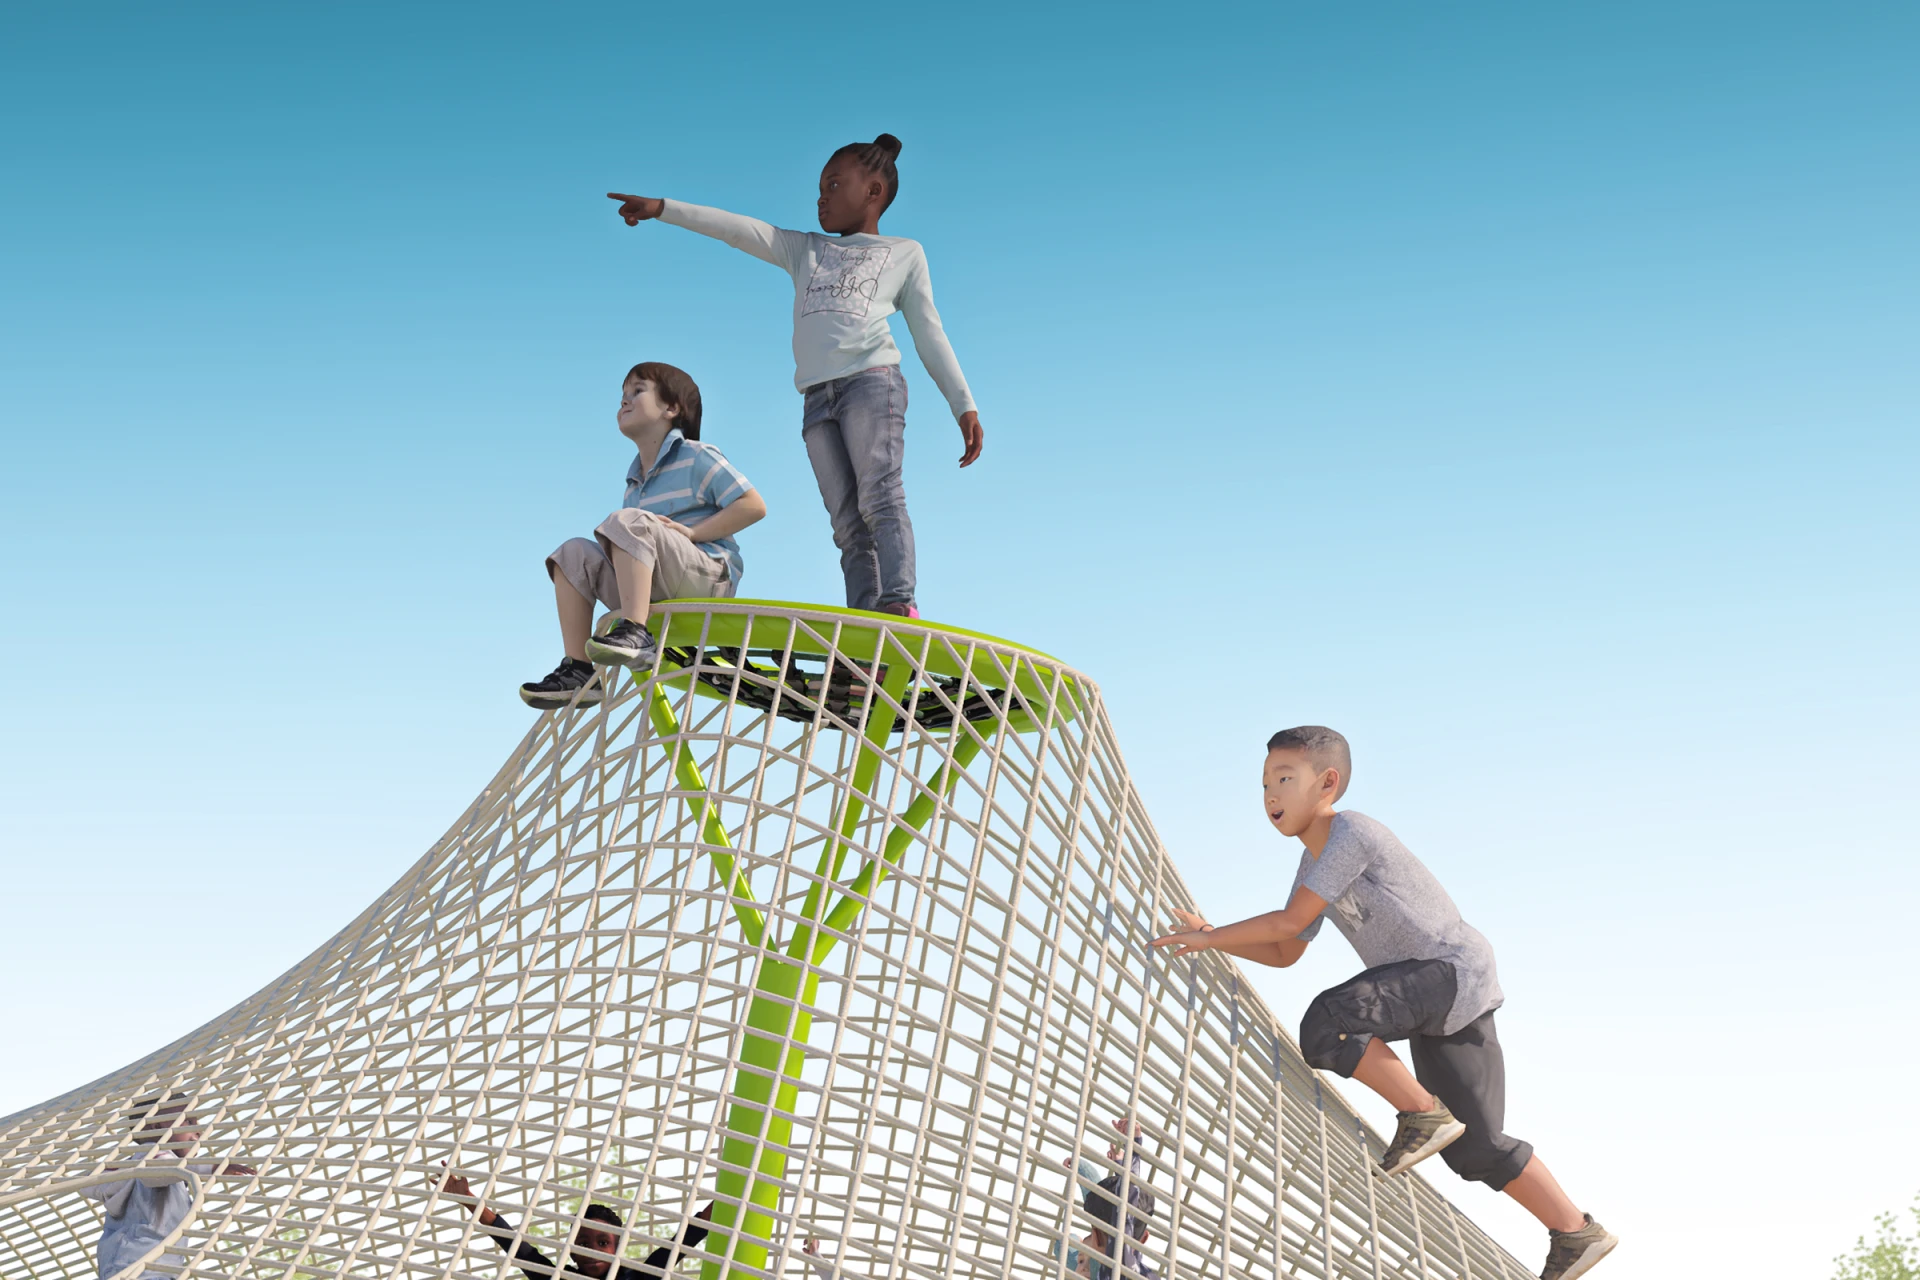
{"points": [[672, 537], [1430, 981]]}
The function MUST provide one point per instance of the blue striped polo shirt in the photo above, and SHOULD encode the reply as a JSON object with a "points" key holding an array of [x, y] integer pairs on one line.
{"points": [[689, 481]]}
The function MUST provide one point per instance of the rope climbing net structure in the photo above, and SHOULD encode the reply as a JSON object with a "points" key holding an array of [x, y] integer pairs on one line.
{"points": [[836, 921]]}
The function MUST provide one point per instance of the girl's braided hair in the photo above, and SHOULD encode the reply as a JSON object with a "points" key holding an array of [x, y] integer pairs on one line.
{"points": [[877, 158]]}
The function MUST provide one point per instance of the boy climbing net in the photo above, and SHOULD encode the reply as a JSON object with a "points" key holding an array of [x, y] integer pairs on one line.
{"points": [[846, 283], [1430, 981]]}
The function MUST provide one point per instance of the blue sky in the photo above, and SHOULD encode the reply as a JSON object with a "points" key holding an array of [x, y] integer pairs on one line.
{"points": [[1528, 392]]}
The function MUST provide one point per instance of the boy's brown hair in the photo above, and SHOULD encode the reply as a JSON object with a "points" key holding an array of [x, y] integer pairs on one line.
{"points": [[676, 390]]}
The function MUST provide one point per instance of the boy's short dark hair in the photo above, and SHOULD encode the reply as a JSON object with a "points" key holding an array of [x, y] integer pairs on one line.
{"points": [[676, 390], [155, 1113], [597, 1212], [1321, 746]]}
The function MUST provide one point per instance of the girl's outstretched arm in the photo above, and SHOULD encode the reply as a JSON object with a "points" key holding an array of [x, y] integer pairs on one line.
{"points": [[749, 235]]}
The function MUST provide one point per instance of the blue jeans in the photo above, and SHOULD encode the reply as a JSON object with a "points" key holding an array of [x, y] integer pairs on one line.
{"points": [[855, 429]]}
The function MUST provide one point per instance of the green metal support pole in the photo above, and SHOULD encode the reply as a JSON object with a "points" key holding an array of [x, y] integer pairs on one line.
{"points": [[780, 1014], [713, 832]]}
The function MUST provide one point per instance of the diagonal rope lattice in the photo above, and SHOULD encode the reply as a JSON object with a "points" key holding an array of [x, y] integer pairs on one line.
{"points": [[835, 920]]}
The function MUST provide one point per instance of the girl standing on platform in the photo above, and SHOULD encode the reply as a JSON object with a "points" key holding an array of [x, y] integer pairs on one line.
{"points": [[846, 283]]}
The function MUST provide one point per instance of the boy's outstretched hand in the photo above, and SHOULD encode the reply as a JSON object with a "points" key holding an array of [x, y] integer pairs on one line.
{"points": [[456, 1185], [972, 436], [637, 209], [1193, 936]]}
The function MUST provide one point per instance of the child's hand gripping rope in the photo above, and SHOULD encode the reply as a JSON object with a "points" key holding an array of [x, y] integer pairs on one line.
{"points": [[1193, 937]]}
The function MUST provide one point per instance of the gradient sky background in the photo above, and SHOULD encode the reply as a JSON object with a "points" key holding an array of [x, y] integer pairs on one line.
{"points": [[1530, 392]]}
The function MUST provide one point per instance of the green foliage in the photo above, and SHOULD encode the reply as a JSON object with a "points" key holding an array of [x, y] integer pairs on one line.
{"points": [[1893, 1255], [295, 1236]]}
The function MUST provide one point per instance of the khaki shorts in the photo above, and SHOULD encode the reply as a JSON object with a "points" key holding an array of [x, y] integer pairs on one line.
{"points": [[680, 568]]}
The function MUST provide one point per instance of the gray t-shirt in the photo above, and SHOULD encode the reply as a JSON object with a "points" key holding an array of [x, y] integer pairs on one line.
{"points": [[1389, 906]]}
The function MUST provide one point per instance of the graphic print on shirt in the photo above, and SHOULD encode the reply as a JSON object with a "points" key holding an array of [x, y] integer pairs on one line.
{"points": [[846, 279], [1348, 908]]}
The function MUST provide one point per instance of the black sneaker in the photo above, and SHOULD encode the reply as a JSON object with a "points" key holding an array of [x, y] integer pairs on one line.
{"points": [[560, 685], [1574, 1253], [626, 644]]}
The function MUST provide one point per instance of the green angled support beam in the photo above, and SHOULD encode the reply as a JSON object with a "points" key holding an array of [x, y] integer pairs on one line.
{"points": [[765, 1091]]}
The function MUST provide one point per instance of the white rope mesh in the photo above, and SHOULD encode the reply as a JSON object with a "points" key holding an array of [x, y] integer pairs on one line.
{"points": [[556, 1001]]}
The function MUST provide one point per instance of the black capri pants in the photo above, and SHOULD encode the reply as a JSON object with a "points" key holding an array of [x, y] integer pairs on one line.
{"points": [[1410, 1000]]}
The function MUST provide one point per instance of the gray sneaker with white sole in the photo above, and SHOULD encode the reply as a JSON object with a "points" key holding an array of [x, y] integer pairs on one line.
{"points": [[1573, 1253], [1420, 1134]]}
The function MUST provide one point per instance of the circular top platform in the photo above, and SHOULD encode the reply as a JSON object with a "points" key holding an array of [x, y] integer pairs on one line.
{"points": [[791, 657], [856, 622]]}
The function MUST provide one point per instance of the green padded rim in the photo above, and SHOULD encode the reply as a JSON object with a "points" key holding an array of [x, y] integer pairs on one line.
{"points": [[723, 622]]}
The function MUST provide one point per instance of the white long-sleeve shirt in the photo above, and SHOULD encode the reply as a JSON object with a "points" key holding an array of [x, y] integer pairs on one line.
{"points": [[138, 1215], [844, 288]]}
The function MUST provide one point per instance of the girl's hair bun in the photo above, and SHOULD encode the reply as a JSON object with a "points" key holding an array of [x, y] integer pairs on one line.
{"points": [[877, 158]]}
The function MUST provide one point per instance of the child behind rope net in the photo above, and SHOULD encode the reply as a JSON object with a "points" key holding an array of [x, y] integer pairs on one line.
{"points": [[1430, 981], [141, 1212], [1100, 1196], [594, 1248], [1102, 1202]]}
